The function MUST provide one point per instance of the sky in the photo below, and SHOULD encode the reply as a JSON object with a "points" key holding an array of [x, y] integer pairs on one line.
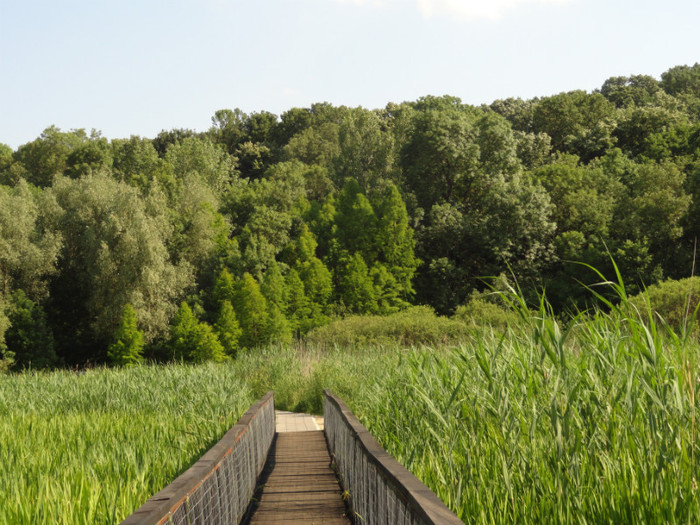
{"points": [[136, 67]]}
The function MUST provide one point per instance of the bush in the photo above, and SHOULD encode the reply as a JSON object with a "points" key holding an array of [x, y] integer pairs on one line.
{"points": [[480, 312], [673, 301], [414, 326]]}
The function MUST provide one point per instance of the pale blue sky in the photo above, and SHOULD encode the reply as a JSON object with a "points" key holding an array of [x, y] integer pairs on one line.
{"points": [[139, 66]]}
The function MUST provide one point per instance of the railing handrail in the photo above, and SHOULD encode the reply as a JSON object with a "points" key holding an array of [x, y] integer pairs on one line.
{"points": [[421, 499], [159, 507]]}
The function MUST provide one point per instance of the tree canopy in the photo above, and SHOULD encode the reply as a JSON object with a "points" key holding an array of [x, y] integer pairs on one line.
{"points": [[196, 245]]}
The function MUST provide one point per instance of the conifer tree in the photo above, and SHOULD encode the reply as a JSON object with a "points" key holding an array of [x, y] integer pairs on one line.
{"points": [[192, 340], [298, 311], [273, 287], [127, 348], [182, 332], [394, 240], [278, 329], [252, 312], [205, 345], [227, 329], [224, 288], [387, 290], [356, 290], [355, 221]]}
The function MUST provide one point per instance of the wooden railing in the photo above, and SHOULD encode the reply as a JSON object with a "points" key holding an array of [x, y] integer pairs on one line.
{"points": [[217, 489], [380, 490]]}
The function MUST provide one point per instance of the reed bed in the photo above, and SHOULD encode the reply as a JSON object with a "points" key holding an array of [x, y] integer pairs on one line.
{"points": [[90, 448], [594, 421]]}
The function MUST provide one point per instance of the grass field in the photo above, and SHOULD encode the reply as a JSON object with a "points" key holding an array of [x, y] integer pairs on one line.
{"points": [[592, 421]]}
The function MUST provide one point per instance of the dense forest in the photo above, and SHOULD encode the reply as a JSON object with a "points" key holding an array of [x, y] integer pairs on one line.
{"points": [[189, 245]]}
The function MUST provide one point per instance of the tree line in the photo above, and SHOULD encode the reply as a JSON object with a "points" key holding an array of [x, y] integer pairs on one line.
{"points": [[192, 245]]}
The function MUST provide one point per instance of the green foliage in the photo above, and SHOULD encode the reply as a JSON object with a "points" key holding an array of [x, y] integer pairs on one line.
{"points": [[414, 326], [183, 330], [578, 122], [479, 312], [224, 288], [682, 80], [298, 309], [366, 152], [29, 335], [46, 157], [273, 287], [355, 220], [394, 241], [28, 250], [227, 329], [206, 345], [199, 157], [6, 356], [193, 340], [114, 252], [355, 287], [278, 329], [359, 210], [672, 302], [127, 348], [252, 312]]}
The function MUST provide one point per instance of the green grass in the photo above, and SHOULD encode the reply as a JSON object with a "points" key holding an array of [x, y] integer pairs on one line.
{"points": [[591, 421]]}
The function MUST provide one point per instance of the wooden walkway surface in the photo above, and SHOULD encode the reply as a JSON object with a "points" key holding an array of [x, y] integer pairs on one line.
{"points": [[299, 485]]}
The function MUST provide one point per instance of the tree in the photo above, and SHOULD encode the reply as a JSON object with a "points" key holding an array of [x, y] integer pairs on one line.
{"points": [[6, 356], [204, 159], [92, 155], [682, 80], [637, 90], [298, 309], [394, 241], [441, 156], [577, 122], [227, 328], [47, 156], [355, 221], [193, 340], [228, 128], [135, 160], [206, 345], [356, 289], [252, 311], [182, 332], [28, 248], [278, 329], [273, 287], [114, 252], [317, 145], [366, 151], [127, 349], [224, 289], [29, 336]]}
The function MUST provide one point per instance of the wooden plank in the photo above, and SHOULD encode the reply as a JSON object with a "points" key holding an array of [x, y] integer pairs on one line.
{"points": [[299, 485]]}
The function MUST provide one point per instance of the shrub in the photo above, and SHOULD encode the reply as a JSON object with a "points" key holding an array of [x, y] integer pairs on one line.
{"points": [[673, 301], [479, 312], [413, 326]]}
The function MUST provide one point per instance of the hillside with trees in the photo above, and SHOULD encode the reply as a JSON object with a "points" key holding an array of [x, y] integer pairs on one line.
{"points": [[191, 246]]}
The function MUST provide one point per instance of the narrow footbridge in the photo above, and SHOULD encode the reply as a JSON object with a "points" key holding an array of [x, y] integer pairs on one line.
{"points": [[286, 468]]}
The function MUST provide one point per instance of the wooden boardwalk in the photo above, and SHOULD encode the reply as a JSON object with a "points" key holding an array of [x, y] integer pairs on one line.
{"points": [[299, 485]]}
